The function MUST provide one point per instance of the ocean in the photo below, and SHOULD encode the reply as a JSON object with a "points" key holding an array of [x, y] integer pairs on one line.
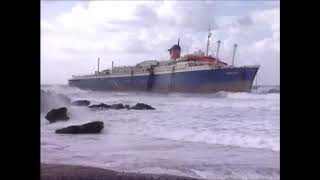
{"points": [[212, 136]]}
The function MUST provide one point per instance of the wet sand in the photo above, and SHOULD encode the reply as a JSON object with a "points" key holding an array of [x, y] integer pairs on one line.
{"points": [[197, 160], [71, 172]]}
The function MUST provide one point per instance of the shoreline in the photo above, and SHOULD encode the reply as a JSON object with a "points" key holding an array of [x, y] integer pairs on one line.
{"points": [[190, 137], [76, 172]]}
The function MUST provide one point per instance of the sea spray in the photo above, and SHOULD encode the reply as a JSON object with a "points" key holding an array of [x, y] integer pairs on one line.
{"points": [[219, 135], [51, 100]]}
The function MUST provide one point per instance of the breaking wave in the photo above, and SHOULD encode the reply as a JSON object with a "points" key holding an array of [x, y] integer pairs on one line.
{"points": [[266, 90], [50, 100], [184, 117], [219, 138]]}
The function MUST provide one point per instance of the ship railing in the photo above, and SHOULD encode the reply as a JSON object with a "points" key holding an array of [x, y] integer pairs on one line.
{"points": [[89, 77], [83, 76], [244, 66]]}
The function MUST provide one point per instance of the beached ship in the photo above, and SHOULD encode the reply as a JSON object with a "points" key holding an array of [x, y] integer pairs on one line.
{"points": [[197, 72]]}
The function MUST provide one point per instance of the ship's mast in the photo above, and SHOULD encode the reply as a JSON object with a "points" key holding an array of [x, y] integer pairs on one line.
{"points": [[112, 66], [234, 53], [98, 64], [218, 47], [178, 45], [208, 41]]}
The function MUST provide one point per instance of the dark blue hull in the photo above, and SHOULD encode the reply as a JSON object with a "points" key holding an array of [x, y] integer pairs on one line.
{"points": [[213, 80]]}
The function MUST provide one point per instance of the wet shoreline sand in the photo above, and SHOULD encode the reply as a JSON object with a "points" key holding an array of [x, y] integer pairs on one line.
{"points": [[188, 159], [72, 172]]}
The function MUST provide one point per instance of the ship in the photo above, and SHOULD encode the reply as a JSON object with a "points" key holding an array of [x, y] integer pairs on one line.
{"points": [[196, 73]]}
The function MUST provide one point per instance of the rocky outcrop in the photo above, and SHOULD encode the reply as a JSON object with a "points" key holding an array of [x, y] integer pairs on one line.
{"points": [[100, 106], [141, 106], [113, 106], [117, 106], [126, 107], [274, 91], [81, 103], [138, 106], [88, 128], [59, 114]]}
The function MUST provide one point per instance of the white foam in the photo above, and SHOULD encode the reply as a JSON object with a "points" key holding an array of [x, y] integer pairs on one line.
{"points": [[51, 100], [209, 137], [252, 96], [67, 90], [236, 119]]}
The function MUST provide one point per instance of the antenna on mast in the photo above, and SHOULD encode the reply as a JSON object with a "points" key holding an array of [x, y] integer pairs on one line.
{"points": [[234, 52], [218, 49], [112, 66], [208, 41], [98, 64]]}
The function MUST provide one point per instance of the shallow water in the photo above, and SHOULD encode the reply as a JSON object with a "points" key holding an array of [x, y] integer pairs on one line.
{"points": [[222, 135]]}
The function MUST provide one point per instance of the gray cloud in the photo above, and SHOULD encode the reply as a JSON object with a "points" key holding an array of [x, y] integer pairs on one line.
{"points": [[245, 21], [146, 13], [146, 34], [188, 18]]}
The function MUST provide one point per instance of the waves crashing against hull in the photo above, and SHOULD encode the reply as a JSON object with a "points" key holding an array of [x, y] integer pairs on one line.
{"points": [[190, 73]]}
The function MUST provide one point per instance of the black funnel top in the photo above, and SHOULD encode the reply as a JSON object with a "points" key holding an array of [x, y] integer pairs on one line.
{"points": [[175, 47]]}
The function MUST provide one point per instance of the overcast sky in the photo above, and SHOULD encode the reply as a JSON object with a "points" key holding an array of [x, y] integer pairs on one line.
{"points": [[75, 33]]}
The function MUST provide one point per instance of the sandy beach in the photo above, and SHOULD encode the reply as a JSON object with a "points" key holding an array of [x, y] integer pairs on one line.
{"points": [[71, 172]]}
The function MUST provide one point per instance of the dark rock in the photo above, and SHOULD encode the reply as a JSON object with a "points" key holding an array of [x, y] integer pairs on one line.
{"points": [[102, 105], [117, 106], [113, 106], [138, 106], [81, 103], [59, 114], [141, 106], [88, 128], [126, 107], [274, 91]]}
